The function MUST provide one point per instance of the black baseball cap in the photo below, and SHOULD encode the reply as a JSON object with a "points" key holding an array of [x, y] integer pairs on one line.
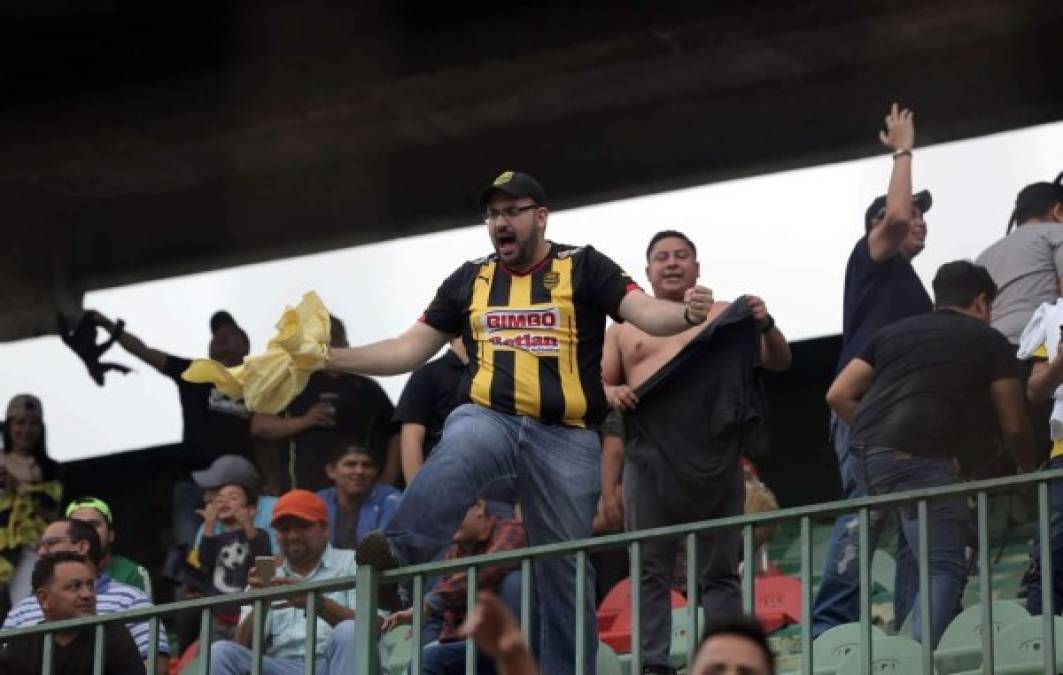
{"points": [[514, 184], [922, 200]]}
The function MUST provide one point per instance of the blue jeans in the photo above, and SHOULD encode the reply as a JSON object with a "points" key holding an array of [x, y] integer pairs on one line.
{"points": [[837, 600], [448, 658], [230, 658], [556, 472], [1055, 514], [884, 471]]}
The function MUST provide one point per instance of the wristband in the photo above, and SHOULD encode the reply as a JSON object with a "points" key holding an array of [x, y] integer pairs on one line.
{"points": [[766, 328], [902, 153], [686, 317]]}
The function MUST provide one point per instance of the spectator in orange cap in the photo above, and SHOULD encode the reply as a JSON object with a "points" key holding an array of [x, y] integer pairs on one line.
{"points": [[301, 521]]}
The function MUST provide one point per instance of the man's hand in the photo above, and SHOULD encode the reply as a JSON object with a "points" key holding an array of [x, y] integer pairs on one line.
{"points": [[698, 301], [395, 619], [621, 397], [321, 414], [492, 627], [298, 600], [759, 309], [899, 134]]}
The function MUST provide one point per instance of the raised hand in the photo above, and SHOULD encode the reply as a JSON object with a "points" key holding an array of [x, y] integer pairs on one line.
{"points": [[899, 134]]}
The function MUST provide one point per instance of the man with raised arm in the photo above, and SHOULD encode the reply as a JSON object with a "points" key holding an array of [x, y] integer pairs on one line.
{"points": [[881, 287], [652, 494], [532, 316]]}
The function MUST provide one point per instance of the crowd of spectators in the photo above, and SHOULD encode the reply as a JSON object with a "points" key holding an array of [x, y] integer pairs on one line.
{"points": [[505, 441]]}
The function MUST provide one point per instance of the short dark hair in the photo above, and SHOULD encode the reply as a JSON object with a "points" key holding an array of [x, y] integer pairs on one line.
{"points": [[78, 531], [1036, 200], [250, 495], [44, 568], [960, 282], [669, 234], [742, 626], [350, 446]]}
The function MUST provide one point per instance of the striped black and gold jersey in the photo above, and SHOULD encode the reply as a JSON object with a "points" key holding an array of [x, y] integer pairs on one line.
{"points": [[535, 339]]}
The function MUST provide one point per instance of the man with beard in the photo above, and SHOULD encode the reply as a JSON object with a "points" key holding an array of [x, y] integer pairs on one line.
{"points": [[532, 316], [301, 522], [631, 358]]}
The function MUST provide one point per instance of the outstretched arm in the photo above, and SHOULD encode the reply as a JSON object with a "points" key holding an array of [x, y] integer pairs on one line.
{"points": [[886, 238], [131, 343], [662, 318], [392, 356]]}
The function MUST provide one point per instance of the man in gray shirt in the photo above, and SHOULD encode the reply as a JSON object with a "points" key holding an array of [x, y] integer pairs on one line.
{"points": [[1027, 264]]}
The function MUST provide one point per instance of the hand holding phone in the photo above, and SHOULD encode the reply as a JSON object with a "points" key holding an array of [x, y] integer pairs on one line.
{"points": [[266, 568]]}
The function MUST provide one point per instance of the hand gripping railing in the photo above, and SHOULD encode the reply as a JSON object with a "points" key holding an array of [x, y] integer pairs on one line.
{"points": [[368, 581]]}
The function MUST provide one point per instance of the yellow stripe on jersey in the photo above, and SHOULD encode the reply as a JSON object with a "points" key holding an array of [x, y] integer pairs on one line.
{"points": [[480, 391], [568, 358], [527, 398]]}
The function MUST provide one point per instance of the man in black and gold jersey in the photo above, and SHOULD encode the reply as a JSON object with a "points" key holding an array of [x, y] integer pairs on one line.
{"points": [[532, 316]]}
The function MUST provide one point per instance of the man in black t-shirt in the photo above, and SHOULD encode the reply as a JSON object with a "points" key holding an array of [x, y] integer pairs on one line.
{"points": [[214, 424], [430, 394], [907, 397], [65, 586], [532, 317], [332, 406]]}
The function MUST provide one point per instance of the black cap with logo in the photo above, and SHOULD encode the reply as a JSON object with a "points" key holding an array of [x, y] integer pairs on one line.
{"points": [[515, 184], [921, 200]]}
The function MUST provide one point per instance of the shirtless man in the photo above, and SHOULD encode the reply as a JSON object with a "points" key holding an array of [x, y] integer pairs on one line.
{"points": [[630, 357]]}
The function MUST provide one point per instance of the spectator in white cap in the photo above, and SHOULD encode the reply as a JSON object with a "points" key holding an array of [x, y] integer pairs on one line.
{"points": [[30, 478]]}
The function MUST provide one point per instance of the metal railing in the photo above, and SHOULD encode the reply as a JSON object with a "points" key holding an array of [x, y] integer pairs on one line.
{"points": [[368, 581]]}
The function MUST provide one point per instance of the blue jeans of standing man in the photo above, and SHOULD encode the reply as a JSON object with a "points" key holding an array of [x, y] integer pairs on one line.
{"points": [[1055, 515], [883, 471], [838, 599], [557, 476]]}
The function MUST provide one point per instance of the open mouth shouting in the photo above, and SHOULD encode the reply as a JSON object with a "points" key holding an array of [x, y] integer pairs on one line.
{"points": [[506, 244]]}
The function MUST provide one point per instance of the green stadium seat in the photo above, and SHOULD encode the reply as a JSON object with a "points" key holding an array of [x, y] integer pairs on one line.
{"points": [[396, 650], [608, 662], [892, 654], [677, 654], [1021, 642], [831, 648], [961, 646]]}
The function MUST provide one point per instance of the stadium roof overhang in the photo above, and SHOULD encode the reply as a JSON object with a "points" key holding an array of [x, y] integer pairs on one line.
{"points": [[154, 138]]}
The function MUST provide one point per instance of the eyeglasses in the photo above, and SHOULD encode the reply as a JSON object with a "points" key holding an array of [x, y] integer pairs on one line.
{"points": [[510, 212], [48, 542]]}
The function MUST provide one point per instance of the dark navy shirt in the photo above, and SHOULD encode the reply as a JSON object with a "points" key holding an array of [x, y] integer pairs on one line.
{"points": [[876, 295]]}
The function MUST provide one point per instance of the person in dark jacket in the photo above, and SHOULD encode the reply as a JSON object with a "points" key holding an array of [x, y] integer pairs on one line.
{"points": [[693, 405]]}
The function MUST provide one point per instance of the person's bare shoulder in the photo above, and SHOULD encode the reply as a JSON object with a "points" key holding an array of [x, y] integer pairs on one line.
{"points": [[718, 308]]}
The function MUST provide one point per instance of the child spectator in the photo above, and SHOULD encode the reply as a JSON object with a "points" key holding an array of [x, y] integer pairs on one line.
{"points": [[226, 557]]}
